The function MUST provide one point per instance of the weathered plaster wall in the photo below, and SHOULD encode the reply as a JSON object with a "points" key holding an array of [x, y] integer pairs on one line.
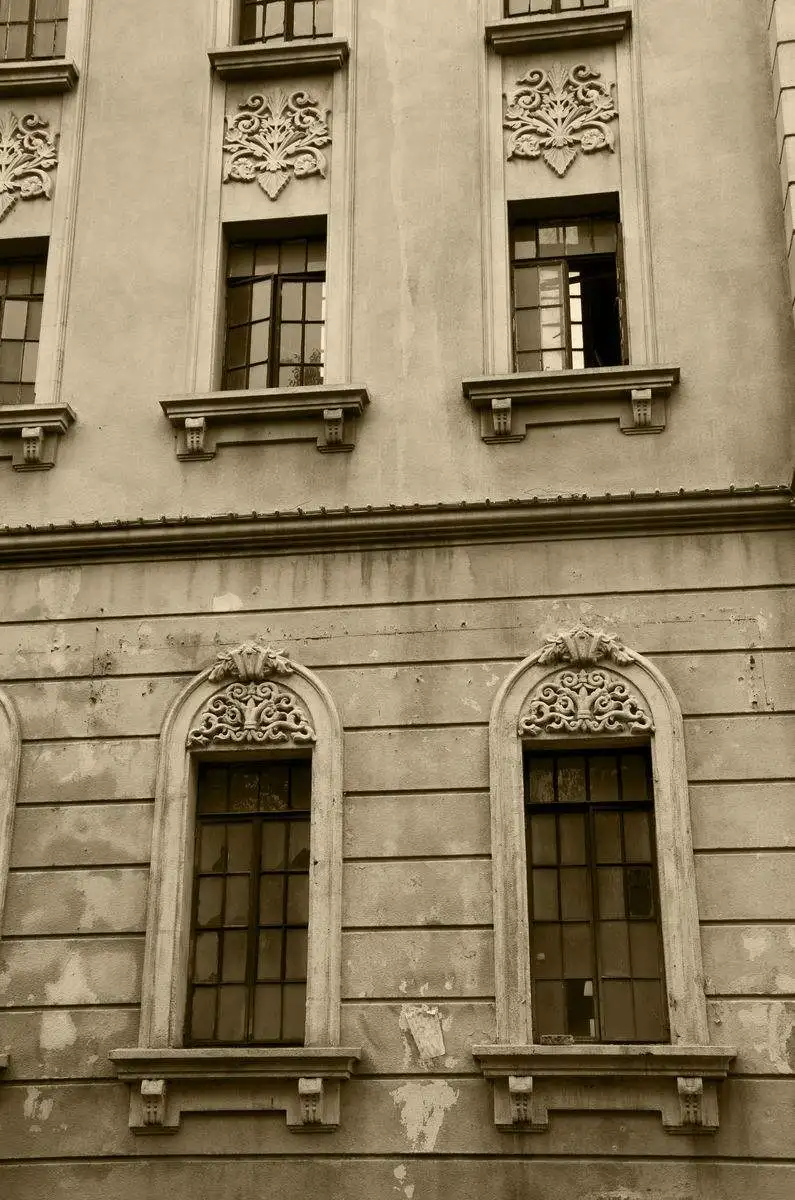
{"points": [[413, 645]]}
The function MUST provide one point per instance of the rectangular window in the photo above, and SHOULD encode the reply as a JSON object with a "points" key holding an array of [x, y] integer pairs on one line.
{"points": [[273, 20], [275, 313], [595, 944], [250, 904], [32, 29], [533, 8], [566, 294], [21, 299]]}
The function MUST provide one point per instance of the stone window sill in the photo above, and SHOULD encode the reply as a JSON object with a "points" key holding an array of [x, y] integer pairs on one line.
{"points": [[679, 1082], [526, 35], [34, 431], [508, 404], [37, 77], [303, 1081], [315, 56], [327, 413]]}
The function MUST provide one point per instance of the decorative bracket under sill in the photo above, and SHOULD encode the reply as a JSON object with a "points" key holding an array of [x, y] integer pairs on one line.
{"points": [[559, 32], [679, 1082], [509, 404], [274, 59], [206, 421], [34, 431], [37, 77], [303, 1081]]}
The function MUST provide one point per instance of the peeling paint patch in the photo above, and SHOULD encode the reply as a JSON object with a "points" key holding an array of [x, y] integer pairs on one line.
{"points": [[36, 1106], [423, 1024], [422, 1111], [228, 602], [57, 1031]]}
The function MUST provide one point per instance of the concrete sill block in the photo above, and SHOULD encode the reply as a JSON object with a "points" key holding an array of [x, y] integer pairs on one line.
{"points": [[678, 1081], [526, 35], [37, 77], [30, 433], [312, 56], [327, 414], [509, 404], [303, 1081]]}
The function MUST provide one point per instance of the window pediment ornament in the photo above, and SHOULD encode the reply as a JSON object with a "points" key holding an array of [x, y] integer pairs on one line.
{"points": [[274, 138], [554, 114], [582, 646], [583, 701]]}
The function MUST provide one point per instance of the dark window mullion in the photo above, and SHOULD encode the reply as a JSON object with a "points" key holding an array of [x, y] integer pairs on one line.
{"points": [[31, 29], [566, 265]]}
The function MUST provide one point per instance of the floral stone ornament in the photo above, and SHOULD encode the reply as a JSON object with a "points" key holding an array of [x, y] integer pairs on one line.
{"points": [[273, 138], [556, 113], [28, 150]]}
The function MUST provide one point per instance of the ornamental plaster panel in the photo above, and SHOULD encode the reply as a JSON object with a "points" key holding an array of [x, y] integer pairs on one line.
{"points": [[275, 138], [28, 153], [556, 112]]}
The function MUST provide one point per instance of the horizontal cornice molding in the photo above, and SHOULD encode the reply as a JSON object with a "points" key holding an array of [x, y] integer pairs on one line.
{"points": [[559, 32], [552, 518], [273, 60], [37, 77]]}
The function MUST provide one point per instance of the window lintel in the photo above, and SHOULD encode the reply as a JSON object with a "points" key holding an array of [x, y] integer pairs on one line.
{"points": [[274, 60], [560, 31], [37, 77]]}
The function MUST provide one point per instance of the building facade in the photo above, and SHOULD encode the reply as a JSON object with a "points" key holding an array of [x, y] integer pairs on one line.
{"points": [[396, 692]]}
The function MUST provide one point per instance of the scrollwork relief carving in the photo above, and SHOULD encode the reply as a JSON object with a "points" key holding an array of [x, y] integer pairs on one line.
{"points": [[250, 661], [28, 151], [583, 645], [554, 114], [274, 138], [584, 701], [252, 714]]}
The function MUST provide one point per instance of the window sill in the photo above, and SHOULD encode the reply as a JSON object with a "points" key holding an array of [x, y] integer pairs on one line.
{"points": [[206, 420], [680, 1082], [304, 1081], [521, 35], [37, 77], [311, 56], [34, 431], [508, 404]]}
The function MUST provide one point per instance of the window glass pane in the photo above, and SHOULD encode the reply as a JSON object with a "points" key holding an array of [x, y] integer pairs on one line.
{"points": [[261, 300], [614, 948], [237, 347], [572, 838], [301, 785], [292, 301], [274, 837], [269, 956], [212, 855], [551, 241], [240, 261], [290, 343], [637, 839], [294, 999], [524, 242], [210, 902], [313, 347], [30, 357], [604, 779], [237, 897], [299, 846], [604, 237], [578, 238], [271, 893], [15, 317], [571, 779], [618, 1022], [529, 362], [545, 895], [206, 958], [541, 788], [33, 328], [528, 329], [295, 959], [259, 347], [543, 842], [547, 961], [314, 301], [575, 894], [610, 884], [275, 788], [267, 1014], [10, 360], [323, 26], [633, 777], [640, 894], [234, 960], [231, 1014], [292, 257], [239, 845], [650, 1021], [525, 287], [265, 257], [203, 1014], [644, 943], [298, 899], [580, 1008], [212, 789], [549, 1008], [243, 790], [316, 255], [607, 835], [577, 951]]}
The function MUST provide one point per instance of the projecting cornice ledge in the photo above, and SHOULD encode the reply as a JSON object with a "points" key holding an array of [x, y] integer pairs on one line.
{"points": [[32, 433], [508, 404], [303, 1081], [37, 77], [309, 57], [678, 1081], [519, 36], [327, 413]]}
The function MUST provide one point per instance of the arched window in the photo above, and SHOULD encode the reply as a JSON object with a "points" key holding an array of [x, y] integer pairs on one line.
{"points": [[597, 958], [10, 745], [242, 965]]}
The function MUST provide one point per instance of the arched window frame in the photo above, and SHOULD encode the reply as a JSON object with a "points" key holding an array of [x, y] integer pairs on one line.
{"points": [[531, 1078], [172, 1078], [10, 751]]}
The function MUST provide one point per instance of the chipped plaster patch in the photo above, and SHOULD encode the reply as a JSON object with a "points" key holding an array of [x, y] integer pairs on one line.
{"points": [[228, 602], [57, 1031], [423, 1024], [36, 1106], [422, 1111]]}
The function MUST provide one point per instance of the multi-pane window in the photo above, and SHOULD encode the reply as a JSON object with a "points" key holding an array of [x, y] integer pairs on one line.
{"points": [[566, 294], [275, 312], [32, 29], [21, 299], [524, 8], [250, 904], [270, 20], [595, 946]]}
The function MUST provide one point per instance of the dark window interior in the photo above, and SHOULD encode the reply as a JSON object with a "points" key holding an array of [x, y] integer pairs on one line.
{"points": [[533, 8], [272, 20], [21, 300], [32, 29]]}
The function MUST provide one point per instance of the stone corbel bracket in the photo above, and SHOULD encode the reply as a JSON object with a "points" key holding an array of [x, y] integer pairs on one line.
{"points": [[277, 59], [34, 431], [679, 1082], [204, 421], [303, 1082], [509, 404], [37, 77], [558, 32]]}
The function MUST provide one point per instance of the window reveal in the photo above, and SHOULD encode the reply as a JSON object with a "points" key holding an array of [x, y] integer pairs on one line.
{"points": [[250, 904], [268, 20], [21, 299], [32, 29], [566, 294], [275, 313], [595, 945]]}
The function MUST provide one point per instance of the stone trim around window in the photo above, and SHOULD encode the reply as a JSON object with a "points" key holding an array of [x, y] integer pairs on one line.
{"points": [[276, 59], [34, 431], [207, 1079], [38, 77], [509, 404], [588, 27], [620, 1077], [10, 749], [326, 413]]}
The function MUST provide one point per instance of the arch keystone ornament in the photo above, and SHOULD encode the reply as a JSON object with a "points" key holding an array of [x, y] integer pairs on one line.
{"points": [[584, 685], [554, 114], [275, 138]]}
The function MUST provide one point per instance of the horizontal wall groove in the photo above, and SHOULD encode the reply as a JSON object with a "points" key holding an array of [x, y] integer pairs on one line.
{"points": [[70, 868], [423, 927], [379, 860], [343, 1157]]}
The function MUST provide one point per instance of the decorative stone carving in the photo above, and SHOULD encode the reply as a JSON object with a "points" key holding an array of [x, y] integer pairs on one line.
{"points": [[250, 662], [273, 136], [520, 1096], [584, 701], [32, 444], [252, 714], [582, 646], [691, 1101], [153, 1102], [27, 152], [333, 424], [558, 112], [310, 1098]]}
